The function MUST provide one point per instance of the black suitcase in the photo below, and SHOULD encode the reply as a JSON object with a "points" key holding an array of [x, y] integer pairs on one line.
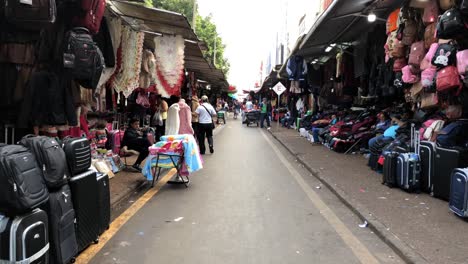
{"points": [[25, 238], [63, 242], [85, 197], [50, 157], [427, 153], [22, 186], [78, 152], [389, 169], [373, 161], [103, 202], [459, 192], [447, 160]]}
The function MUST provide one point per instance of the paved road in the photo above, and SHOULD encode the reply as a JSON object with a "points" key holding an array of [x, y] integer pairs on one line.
{"points": [[251, 204]]}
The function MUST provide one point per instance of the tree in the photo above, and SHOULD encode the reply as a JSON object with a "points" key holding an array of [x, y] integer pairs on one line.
{"points": [[204, 28]]}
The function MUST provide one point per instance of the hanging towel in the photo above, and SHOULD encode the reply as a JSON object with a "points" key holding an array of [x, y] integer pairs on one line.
{"points": [[173, 120]]}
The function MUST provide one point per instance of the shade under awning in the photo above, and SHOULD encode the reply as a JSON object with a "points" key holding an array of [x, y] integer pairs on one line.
{"points": [[344, 21]]}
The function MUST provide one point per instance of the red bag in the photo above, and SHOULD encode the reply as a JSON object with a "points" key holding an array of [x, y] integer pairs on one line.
{"points": [[392, 21], [448, 79], [431, 12], [399, 64], [417, 53], [92, 13]]}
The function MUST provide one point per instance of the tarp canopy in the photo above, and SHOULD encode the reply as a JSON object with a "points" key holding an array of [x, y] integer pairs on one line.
{"points": [[343, 22], [156, 22]]}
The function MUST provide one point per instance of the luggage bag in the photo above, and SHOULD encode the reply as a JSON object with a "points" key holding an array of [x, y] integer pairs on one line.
{"points": [[84, 189], [22, 186], [447, 160], [103, 202], [78, 153], [389, 169], [409, 166], [459, 192], [63, 242], [427, 153], [25, 238]]}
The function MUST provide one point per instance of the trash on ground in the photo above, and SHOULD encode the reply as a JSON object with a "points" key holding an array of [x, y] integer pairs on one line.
{"points": [[318, 187], [364, 225], [406, 199], [141, 233], [383, 198], [362, 190], [178, 219], [125, 244]]}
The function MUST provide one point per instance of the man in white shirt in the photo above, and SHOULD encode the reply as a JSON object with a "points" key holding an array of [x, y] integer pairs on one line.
{"points": [[205, 114]]}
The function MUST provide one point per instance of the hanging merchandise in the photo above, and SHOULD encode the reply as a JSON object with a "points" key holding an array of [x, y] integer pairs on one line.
{"points": [[462, 62], [448, 80], [431, 12], [143, 99], [447, 4], [451, 24], [148, 63], [169, 53], [29, 15], [296, 68], [427, 77], [417, 53], [410, 32], [430, 35], [115, 29], [399, 64], [127, 76], [409, 76], [392, 21], [429, 100], [444, 56], [91, 14]]}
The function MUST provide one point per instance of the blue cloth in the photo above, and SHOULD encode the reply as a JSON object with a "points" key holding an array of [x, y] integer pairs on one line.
{"points": [[296, 68], [391, 131], [382, 138], [382, 126]]}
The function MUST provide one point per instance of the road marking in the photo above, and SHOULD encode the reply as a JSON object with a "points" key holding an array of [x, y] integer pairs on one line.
{"points": [[359, 250], [119, 222]]}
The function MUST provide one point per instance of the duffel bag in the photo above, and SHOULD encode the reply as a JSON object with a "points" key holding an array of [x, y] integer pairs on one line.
{"points": [[22, 186], [50, 157]]}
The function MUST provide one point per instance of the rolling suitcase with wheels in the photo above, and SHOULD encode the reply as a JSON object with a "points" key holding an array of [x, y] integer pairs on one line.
{"points": [[447, 160], [25, 238], [84, 190], [78, 153], [63, 242], [427, 153], [409, 166], [389, 169], [459, 192], [103, 202]]}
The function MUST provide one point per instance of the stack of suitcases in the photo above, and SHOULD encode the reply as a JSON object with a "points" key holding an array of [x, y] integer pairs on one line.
{"points": [[50, 200]]}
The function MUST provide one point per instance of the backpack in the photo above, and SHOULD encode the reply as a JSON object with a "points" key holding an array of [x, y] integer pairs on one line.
{"points": [[427, 76], [21, 182], [452, 135], [450, 24], [431, 12], [91, 15], [429, 100], [448, 79], [399, 64], [392, 21], [445, 56], [410, 32], [30, 15], [417, 53], [84, 57], [398, 49], [409, 76], [429, 35], [462, 61], [50, 157], [447, 4]]}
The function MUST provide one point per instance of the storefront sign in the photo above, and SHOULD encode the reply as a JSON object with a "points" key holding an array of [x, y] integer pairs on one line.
{"points": [[279, 88]]}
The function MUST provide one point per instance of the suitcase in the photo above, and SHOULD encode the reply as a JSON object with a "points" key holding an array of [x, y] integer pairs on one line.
{"points": [[50, 157], [9, 139], [78, 153], [25, 238], [459, 192], [389, 169], [63, 244], [84, 189], [427, 153], [114, 140], [22, 186], [103, 202], [373, 161], [447, 160], [409, 166]]}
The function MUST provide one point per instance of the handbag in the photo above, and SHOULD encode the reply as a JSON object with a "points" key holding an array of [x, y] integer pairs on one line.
{"points": [[157, 119], [143, 100], [212, 122], [429, 100], [448, 79]]}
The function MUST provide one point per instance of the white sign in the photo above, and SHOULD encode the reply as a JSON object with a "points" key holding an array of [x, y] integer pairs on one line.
{"points": [[279, 88]]}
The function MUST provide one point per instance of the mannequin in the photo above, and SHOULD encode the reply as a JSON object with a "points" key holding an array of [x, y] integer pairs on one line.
{"points": [[185, 117]]}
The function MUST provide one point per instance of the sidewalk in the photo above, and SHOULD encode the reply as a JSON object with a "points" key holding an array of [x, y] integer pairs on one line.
{"points": [[419, 227]]}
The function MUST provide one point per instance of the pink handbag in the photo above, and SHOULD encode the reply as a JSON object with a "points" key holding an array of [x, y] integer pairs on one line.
{"points": [[431, 12], [462, 61], [417, 53], [432, 51], [427, 76], [408, 76]]}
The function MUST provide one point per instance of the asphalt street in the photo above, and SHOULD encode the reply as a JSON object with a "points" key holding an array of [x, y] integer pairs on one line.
{"points": [[252, 203]]}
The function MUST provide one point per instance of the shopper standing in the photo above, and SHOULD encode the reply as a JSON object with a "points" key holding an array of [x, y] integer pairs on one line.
{"points": [[161, 108], [264, 107], [205, 114]]}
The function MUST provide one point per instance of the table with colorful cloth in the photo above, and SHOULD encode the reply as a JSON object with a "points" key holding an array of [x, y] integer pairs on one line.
{"points": [[180, 152]]}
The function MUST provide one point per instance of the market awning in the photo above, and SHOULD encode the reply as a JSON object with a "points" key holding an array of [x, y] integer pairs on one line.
{"points": [[271, 79], [343, 22], [156, 22]]}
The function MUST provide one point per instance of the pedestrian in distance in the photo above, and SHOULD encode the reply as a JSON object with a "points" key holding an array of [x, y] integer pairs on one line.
{"points": [[265, 108], [205, 113]]}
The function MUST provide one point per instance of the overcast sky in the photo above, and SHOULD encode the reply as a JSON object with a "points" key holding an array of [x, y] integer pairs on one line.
{"points": [[248, 28]]}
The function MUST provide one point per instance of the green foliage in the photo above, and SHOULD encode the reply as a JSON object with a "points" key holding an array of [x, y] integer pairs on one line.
{"points": [[206, 31], [148, 3], [204, 28]]}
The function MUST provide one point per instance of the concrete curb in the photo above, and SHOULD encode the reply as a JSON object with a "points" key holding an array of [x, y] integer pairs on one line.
{"points": [[403, 250]]}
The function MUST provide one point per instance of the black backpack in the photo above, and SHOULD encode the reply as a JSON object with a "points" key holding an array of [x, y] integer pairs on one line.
{"points": [[446, 55], [30, 16], [83, 56], [451, 24], [50, 157], [22, 186]]}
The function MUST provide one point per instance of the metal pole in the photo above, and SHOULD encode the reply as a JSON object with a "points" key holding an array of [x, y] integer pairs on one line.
{"points": [[194, 18], [277, 111]]}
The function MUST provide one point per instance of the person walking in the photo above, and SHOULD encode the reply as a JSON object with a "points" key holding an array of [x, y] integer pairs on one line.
{"points": [[205, 114], [264, 107]]}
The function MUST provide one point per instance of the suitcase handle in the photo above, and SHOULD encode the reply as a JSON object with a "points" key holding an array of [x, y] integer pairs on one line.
{"points": [[81, 29], [29, 136]]}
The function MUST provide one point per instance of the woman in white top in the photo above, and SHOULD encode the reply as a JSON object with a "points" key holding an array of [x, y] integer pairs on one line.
{"points": [[205, 114]]}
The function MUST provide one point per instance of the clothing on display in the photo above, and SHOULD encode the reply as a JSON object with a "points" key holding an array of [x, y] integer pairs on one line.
{"points": [[173, 120], [169, 53]]}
